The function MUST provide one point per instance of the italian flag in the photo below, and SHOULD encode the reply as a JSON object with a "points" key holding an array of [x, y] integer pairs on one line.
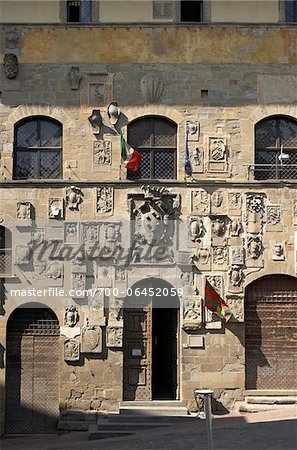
{"points": [[215, 303], [131, 159]]}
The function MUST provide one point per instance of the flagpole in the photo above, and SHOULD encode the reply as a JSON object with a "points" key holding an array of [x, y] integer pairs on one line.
{"points": [[188, 170], [121, 154], [132, 159]]}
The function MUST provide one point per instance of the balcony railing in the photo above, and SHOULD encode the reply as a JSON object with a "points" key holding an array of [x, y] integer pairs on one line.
{"points": [[283, 171]]}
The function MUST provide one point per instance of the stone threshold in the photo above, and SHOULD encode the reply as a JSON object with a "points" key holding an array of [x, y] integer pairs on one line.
{"points": [[270, 392]]}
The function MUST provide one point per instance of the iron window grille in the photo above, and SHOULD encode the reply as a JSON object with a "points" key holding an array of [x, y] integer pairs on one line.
{"points": [[38, 149], [5, 252], [276, 149], [155, 139], [31, 321]]}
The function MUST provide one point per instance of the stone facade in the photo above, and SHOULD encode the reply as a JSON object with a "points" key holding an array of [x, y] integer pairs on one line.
{"points": [[230, 228]]}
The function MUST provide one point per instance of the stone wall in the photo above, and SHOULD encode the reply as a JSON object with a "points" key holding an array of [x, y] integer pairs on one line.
{"points": [[217, 44], [211, 355], [219, 92], [230, 85]]}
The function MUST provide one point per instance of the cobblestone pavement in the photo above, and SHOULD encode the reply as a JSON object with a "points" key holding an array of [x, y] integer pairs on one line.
{"points": [[273, 430]]}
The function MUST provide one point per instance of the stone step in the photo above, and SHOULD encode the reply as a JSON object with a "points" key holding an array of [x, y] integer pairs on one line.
{"points": [[154, 410], [94, 433], [130, 426], [270, 392], [167, 403], [257, 407], [136, 418], [270, 400], [73, 425]]}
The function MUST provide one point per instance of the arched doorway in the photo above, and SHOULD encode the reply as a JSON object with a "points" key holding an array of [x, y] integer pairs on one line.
{"points": [[151, 342], [271, 333], [32, 371]]}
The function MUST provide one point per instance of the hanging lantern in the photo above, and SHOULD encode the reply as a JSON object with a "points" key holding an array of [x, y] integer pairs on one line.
{"points": [[113, 112]]}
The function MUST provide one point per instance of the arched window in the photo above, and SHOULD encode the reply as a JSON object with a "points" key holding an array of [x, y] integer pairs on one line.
{"points": [[276, 148], [155, 139], [5, 251], [38, 149]]}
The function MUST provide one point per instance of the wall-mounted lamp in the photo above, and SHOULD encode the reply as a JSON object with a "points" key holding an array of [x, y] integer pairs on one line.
{"points": [[95, 118], [113, 112], [283, 156]]}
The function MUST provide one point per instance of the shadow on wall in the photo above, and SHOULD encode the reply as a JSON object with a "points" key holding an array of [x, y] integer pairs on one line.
{"points": [[19, 419], [197, 406], [2, 352], [254, 357], [2, 298]]}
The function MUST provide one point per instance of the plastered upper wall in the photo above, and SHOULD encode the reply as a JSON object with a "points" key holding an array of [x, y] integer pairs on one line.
{"points": [[133, 11], [42, 11], [252, 11], [213, 45], [126, 11]]}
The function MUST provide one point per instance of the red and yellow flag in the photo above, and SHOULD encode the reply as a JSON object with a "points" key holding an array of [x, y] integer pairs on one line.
{"points": [[214, 302]]}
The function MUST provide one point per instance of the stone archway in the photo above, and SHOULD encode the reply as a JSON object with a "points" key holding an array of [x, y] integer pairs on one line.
{"points": [[32, 371], [271, 333]]}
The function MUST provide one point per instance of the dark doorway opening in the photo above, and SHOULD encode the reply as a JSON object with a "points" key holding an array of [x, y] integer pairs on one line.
{"points": [[164, 353], [191, 11], [73, 11], [79, 11]]}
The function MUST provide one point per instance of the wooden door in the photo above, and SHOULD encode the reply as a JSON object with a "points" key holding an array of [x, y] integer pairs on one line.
{"points": [[32, 372], [137, 354], [271, 333]]}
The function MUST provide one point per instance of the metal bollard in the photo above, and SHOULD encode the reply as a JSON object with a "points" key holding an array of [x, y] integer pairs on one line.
{"points": [[207, 393]]}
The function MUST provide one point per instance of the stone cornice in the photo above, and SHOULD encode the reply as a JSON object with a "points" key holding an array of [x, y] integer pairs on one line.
{"points": [[262, 185]]}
